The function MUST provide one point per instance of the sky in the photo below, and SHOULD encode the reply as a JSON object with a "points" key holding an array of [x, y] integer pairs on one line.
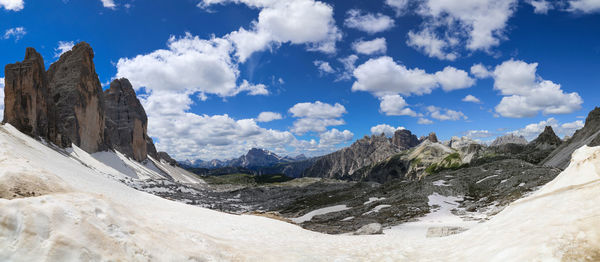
{"points": [[218, 77]]}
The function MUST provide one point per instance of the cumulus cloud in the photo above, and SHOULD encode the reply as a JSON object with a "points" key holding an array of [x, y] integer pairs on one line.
{"points": [[540, 6], [335, 137], [375, 46], [189, 65], [480, 71], [584, 6], [479, 24], [531, 131], [306, 22], [316, 117], [16, 33], [526, 94], [367, 22], [63, 47], [12, 5], [268, 117], [395, 105], [424, 121], [478, 134], [452, 79], [385, 129], [445, 114], [399, 6], [472, 99], [324, 67], [383, 76]]}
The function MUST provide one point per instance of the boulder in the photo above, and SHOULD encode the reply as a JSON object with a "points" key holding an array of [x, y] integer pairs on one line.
{"points": [[370, 229], [26, 94], [76, 114], [126, 122]]}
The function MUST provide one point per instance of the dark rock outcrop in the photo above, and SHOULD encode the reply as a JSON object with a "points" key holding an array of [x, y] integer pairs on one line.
{"points": [[167, 158], [404, 139], [76, 114], [26, 93], [588, 135], [65, 105], [547, 139], [126, 121]]}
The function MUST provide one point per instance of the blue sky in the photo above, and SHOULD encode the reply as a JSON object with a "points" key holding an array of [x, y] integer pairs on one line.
{"points": [[206, 69]]}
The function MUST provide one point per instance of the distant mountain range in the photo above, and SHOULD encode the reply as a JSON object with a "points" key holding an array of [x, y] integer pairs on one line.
{"points": [[255, 158]]}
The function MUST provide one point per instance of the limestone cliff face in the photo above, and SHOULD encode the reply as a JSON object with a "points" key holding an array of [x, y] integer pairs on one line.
{"points": [[66, 105], [126, 121], [26, 93], [77, 112], [404, 139]]}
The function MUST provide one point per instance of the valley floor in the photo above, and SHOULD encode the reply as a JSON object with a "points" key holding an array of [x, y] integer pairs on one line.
{"points": [[54, 208]]}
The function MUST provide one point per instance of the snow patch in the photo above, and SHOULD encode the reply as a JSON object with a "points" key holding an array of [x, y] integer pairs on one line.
{"points": [[326, 210]]}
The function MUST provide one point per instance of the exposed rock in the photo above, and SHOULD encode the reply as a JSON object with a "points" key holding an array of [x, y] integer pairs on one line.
{"points": [[588, 135], [167, 158], [404, 139], [370, 229], [126, 121], [460, 142], [432, 137], [547, 139], [509, 139], [258, 158], [76, 114], [26, 94], [364, 152]]}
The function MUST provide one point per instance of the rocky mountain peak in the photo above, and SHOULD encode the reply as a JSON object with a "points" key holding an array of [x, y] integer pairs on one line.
{"points": [[404, 139], [432, 137], [126, 120], [509, 139], [66, 105], [26, 95], [547, 137]]}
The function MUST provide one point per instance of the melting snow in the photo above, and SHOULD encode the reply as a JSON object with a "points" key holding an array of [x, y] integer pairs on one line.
{"points": [[326, 210], [373, 199]]}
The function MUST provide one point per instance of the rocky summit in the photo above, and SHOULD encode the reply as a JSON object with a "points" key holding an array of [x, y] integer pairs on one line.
{"points": [[509, 139], [404, 139], [66, 105]]}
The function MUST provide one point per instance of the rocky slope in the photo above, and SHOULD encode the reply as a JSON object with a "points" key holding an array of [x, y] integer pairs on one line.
{"points": [[533, 152], [66, 106], [364, 152], [588, 135]]}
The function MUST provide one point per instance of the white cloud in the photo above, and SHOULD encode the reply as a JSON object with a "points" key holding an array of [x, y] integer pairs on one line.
{"points": [[478, 134], [349, 65], [472, 99], [316, 117], [399, 6], [429, 43], [189, 65], [324, 67], [527, 94], [268, 117], [531, 131], [382, 76], [109, 4], [584, 6], [480, 24], [375, 46], [452, 79], [395, 105], [424, 121], [385, 129], [17, 33], [63, 47], [367, 22], [445, 114], [540, 6], [480, 71], [12, 5], [317, 109], [286, 21], [335, 137]]}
